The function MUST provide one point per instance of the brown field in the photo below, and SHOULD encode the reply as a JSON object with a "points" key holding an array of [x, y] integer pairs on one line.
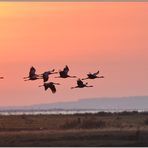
{"points": [[101, 129]]}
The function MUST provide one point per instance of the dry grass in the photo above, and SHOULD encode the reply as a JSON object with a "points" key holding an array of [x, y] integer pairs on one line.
{"points": [[102, 129]]}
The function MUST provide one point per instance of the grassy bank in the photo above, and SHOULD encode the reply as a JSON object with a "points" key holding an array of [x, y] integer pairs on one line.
{"points": [[101, 129]]}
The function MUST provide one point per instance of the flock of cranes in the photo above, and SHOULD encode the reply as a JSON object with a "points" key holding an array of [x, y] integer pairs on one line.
{"points": [[62, 74]]}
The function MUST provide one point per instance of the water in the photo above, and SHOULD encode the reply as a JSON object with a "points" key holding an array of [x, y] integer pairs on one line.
{"points": [[58, 112], [63, 112]]}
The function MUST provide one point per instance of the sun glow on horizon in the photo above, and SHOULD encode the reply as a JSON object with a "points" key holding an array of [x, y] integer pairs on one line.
{"points": [[110, 37]]}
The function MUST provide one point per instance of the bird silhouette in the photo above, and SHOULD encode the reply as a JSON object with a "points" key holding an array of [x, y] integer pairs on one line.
{"points": [[64, 73], [50, 85], [80, 84], [32, 75], [93, 76], [45, 75]]}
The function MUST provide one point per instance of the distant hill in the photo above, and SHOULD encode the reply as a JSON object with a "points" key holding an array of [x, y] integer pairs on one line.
{"points": [[118, 103]]}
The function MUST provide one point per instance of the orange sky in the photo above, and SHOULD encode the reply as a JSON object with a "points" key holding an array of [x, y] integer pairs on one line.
{"points": [[111, 37]]}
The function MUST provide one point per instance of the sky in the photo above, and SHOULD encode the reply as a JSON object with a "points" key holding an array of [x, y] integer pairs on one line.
{"points": [[86, 36]]}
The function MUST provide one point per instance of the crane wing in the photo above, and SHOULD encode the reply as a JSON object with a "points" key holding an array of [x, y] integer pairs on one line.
{"points": [[96, 73], [79, 82], [45, 77], [53, 88], [32, 71], [66, 69], [89, 74], [46, 86]]}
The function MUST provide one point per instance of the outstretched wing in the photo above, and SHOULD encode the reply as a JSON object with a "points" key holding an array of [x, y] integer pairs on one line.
{"points": [[32, 71], [96, 73], [79, 82], [46, 86], [66, 70], [89, 74], [45, 76], [53, 88]]}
